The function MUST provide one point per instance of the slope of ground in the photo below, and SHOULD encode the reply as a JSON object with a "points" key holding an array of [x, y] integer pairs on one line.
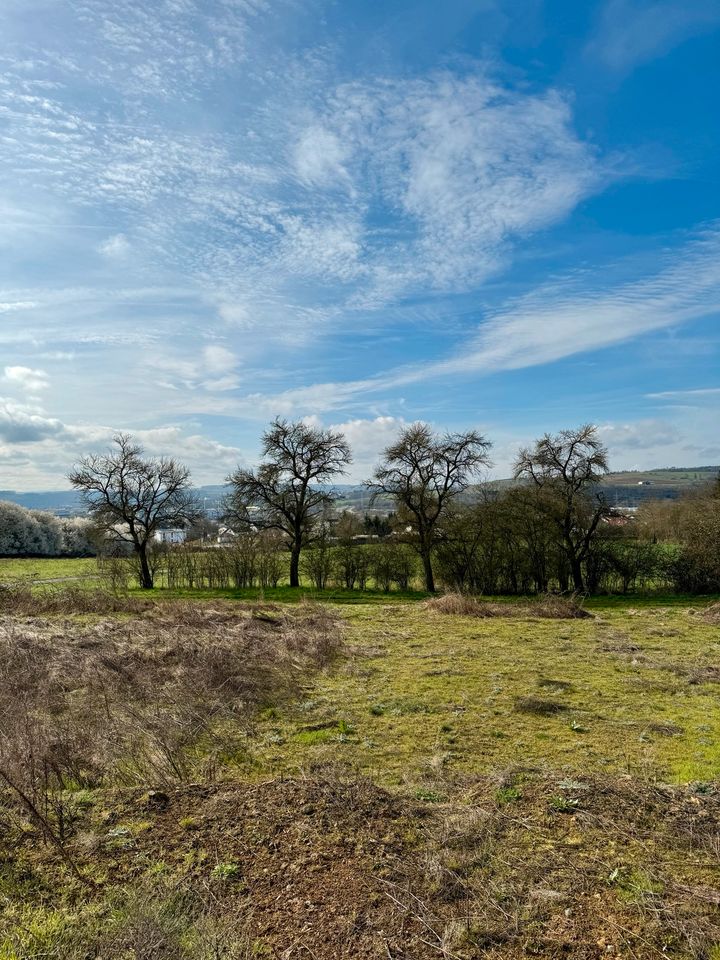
{"points": [[212, 781]]}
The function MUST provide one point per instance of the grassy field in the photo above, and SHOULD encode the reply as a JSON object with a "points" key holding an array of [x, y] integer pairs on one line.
{"points": [[213, 779], [421, 696], [46, 569]]}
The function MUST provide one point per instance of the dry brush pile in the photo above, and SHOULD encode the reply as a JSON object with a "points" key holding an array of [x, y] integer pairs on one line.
{"points": [[549, 607], [154, 697]]}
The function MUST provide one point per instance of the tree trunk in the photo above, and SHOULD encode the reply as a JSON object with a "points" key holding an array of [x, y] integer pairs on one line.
{"points": [[295, 565], [577, 574], [146, 577], [427, 570]]}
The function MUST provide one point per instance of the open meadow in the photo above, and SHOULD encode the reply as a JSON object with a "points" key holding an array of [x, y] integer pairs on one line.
{"points": [[391, 777]]}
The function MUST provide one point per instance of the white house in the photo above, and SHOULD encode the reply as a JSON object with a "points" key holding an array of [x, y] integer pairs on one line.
{"points": [[171, 535]]}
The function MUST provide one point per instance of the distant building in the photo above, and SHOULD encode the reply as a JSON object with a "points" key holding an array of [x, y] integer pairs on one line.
{"points": [[171, 535], [226, 535]]}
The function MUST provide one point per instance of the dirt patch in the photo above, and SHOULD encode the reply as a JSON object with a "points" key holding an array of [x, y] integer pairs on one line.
{"points": [[333, 867], [538, 706]]}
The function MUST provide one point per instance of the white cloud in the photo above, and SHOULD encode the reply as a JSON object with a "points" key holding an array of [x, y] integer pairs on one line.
{"points": [[22, 424], [644, 434], [320, 157], [13, 306], [206, 457], [327, 249], [236, 315], [37, 450], [368, 438], [702, 393], [212, 370], [218, 359], [30, 380], [115, 247], [674, 440]]}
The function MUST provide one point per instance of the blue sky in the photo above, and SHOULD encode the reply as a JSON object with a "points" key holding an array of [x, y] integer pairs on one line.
{"points": [[502, 215]]}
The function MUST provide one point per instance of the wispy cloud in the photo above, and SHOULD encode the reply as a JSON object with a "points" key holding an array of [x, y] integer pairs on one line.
{"points": [[462, 166], [116, 246], [556, 321], [698, 394], [232, 207], [631, 32], [564, 319], [385, 186]]}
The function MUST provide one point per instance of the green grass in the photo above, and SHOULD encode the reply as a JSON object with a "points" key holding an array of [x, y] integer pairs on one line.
{"points": [[286, 594], [46, 568], [426, 694]]}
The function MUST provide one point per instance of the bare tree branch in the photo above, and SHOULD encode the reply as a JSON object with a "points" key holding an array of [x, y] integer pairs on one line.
{"points": [[425, 472], [283, 493], [130, 497]]}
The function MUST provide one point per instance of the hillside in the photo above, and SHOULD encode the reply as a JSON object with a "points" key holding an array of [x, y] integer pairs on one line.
{"points": [[624, 488], [632, 487]]}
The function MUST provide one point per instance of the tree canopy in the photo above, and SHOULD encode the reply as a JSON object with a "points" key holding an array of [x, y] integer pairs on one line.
{"points": [[286, 492], [131, 496], [424, 472]]}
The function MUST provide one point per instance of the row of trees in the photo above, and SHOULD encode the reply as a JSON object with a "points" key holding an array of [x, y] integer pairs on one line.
{"points": [[424, 474], [260, 560], [36, 533]]}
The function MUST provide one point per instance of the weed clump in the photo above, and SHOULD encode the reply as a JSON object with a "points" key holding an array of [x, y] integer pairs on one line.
{"points": [[711, 614], [548, 607], [157, 699], [538, 707], [552, 607], [460, 605]]}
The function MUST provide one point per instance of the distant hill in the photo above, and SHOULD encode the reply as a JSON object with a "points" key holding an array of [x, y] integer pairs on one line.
{"points": [[61, 502], [667, 476], [67, 503], [630, 488], [625, 488]]}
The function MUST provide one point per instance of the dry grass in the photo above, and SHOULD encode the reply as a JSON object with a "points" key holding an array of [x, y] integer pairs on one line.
{"points": [[156, 698], [545, 866], [483, 860], [21, 598], [711, 614], [548, 607]]}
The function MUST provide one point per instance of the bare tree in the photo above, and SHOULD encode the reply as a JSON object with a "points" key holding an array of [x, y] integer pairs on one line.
{"points": [[283, 493], [565, 468], [130, 497], [424, 472]]}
